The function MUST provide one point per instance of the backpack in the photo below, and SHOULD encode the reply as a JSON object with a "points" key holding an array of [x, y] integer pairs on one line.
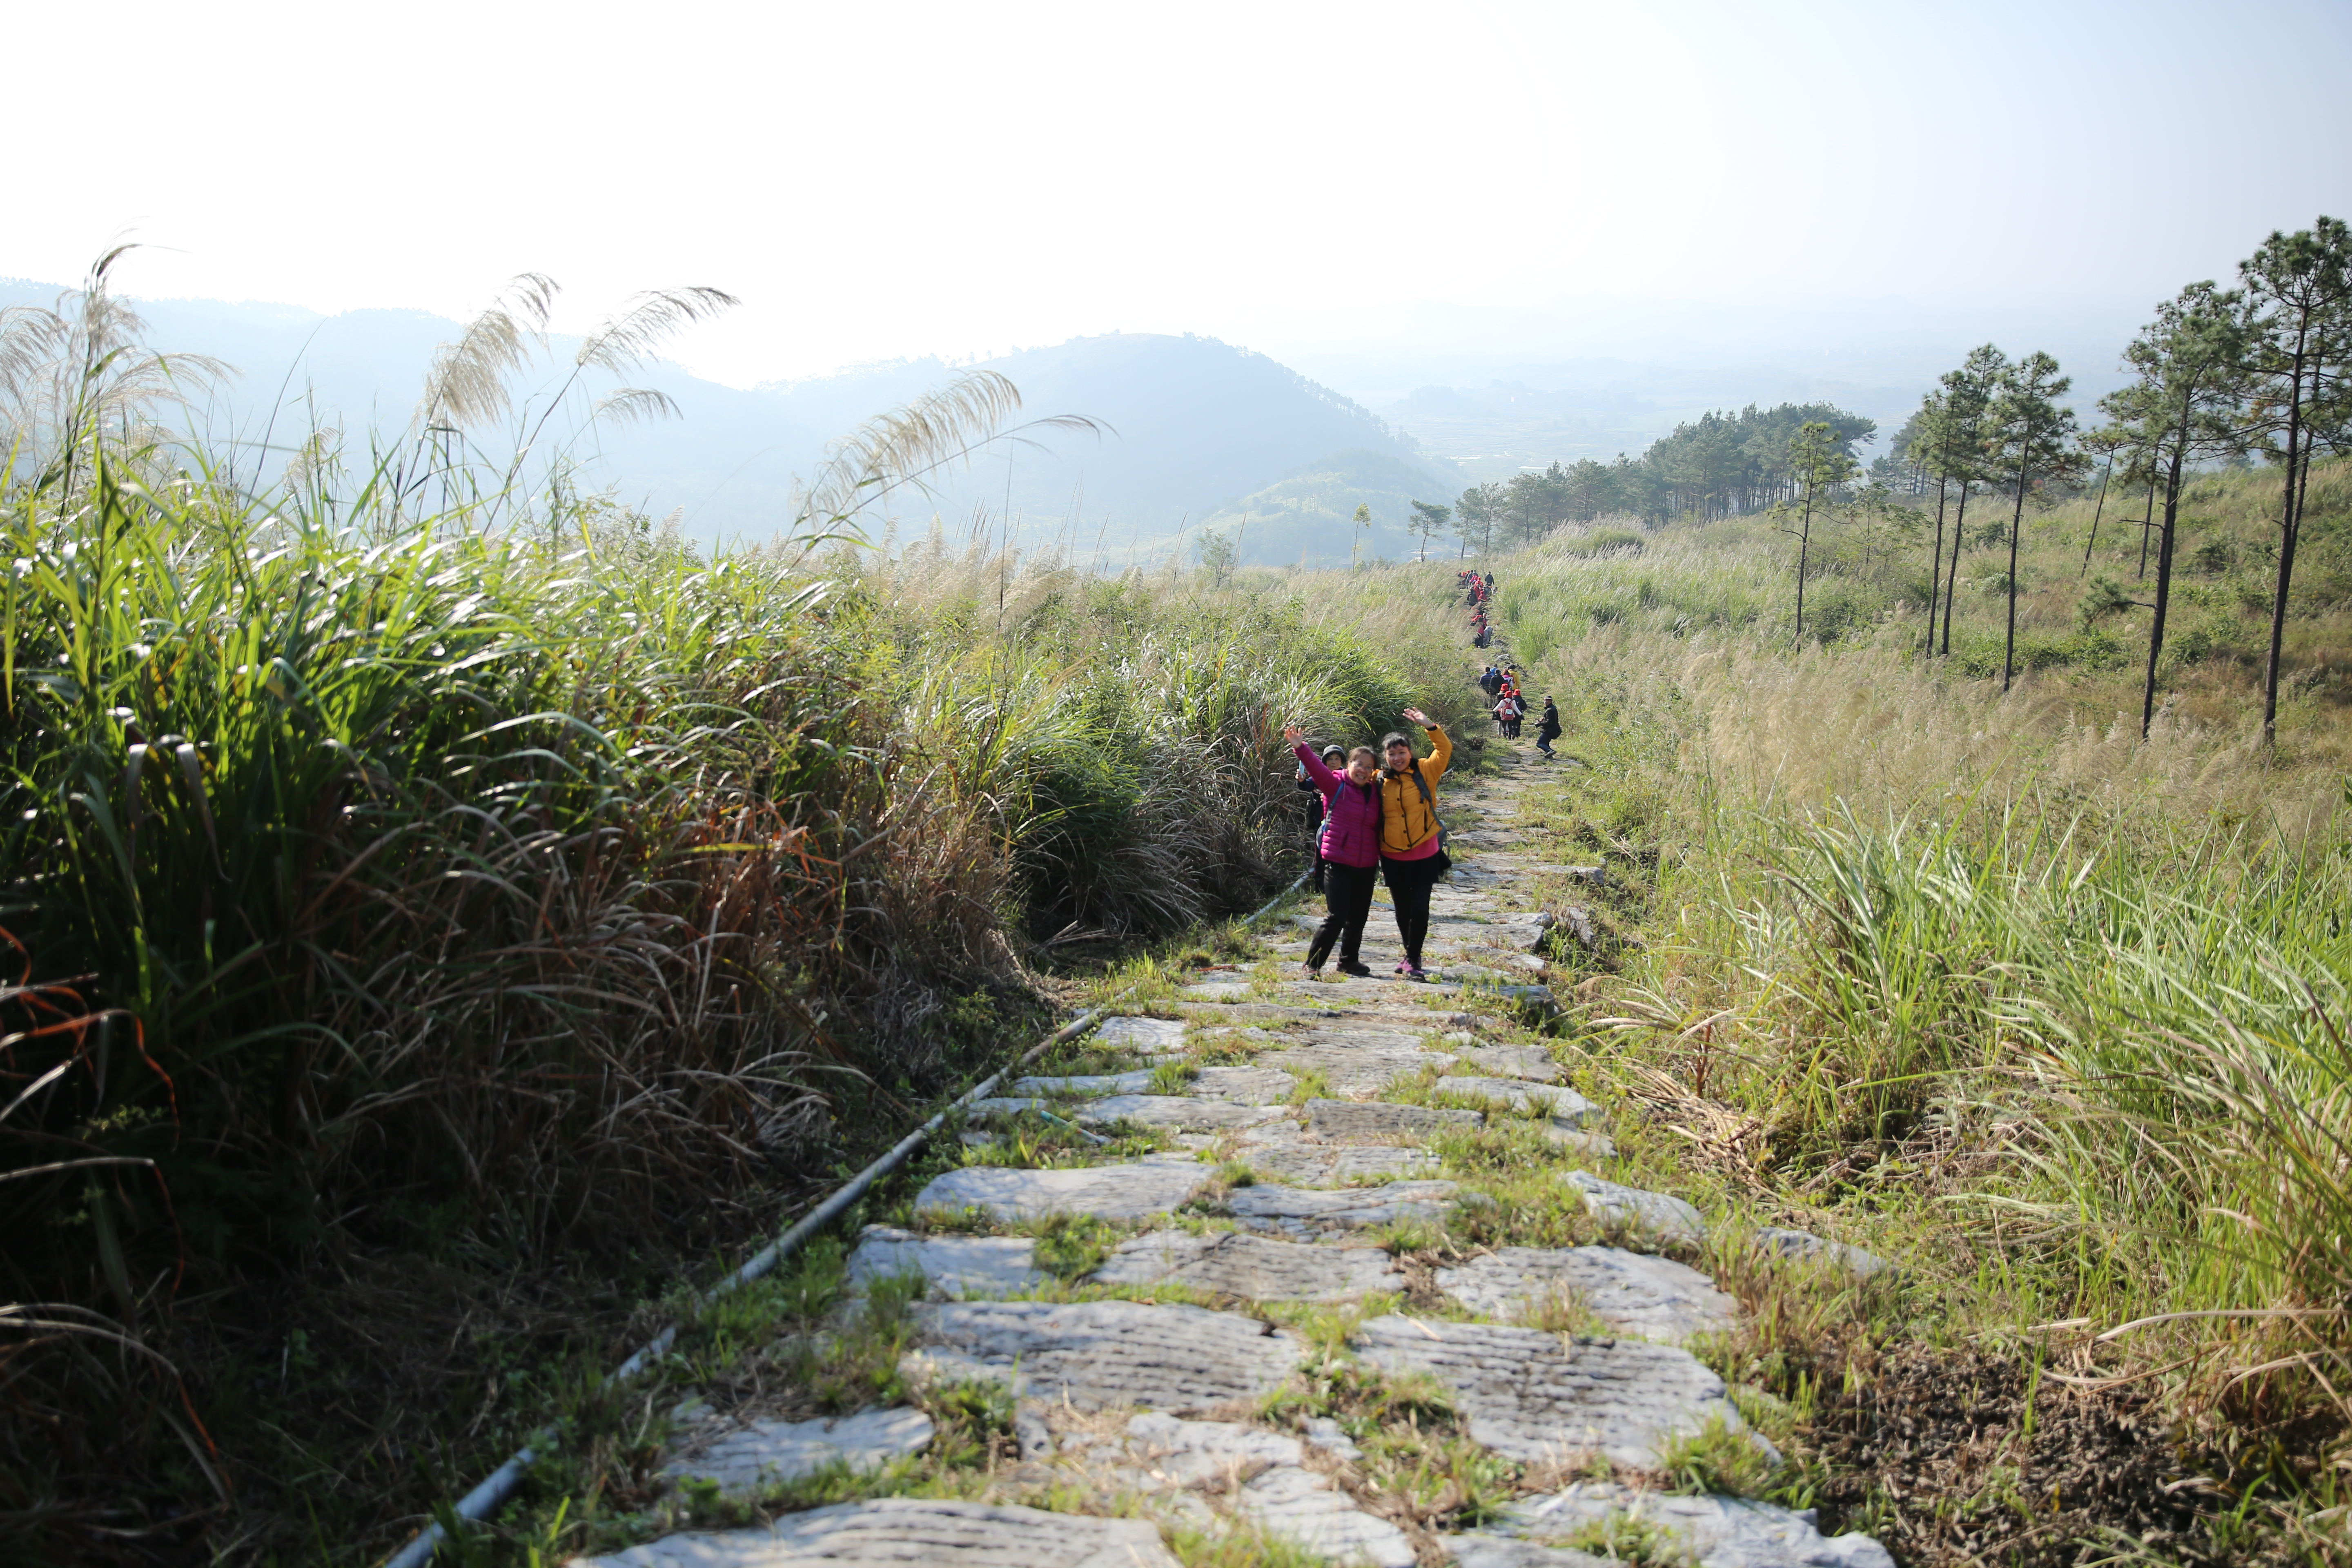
{"points": [[1443, 861]]}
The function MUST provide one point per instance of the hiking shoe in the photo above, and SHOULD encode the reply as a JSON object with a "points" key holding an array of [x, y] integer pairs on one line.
{"points": [[1415, 972], [1403, 967], [1312, 969], [1350, 966]]}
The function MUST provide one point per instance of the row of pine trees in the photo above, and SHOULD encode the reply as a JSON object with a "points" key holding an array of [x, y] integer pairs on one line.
{"points": [[2254, 371]]}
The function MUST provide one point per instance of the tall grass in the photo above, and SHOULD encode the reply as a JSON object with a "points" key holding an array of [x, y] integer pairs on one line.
{"points": [[2059, 1011], [414, 876]]}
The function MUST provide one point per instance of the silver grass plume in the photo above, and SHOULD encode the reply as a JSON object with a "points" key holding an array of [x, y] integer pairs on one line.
{"points": [[468, 381]]}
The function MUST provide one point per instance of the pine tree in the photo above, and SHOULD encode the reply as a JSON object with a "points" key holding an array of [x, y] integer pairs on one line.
{"points": [[2031, 436], [2299, 299], [2187, 406], [1821, 462], [1428, 521], [1958, 454]]}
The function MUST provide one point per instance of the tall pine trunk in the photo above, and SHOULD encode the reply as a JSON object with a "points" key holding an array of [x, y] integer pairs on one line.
{"points": [[2016, 528], [2290, 522], [1804, 546], [2096, 512], [1952, 584], [1936, 568], [2163, 574]]}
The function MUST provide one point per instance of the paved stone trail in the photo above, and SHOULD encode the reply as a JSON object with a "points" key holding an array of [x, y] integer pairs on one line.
{"points": [[1164, 1387]]}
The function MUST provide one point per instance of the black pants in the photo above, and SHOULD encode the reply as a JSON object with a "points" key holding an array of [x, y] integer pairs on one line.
{"points": [[1409, 885], [1347, 891]]}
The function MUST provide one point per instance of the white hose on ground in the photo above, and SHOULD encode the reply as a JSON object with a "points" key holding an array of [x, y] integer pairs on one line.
{"points": [[501, 1482]]}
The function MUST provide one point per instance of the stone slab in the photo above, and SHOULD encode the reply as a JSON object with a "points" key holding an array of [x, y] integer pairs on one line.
{"points": [[1660, 1213], [1534, 1397], [1633, 1292], [1094, 1354], [1237, 1263], [1296, 1211], [1281, 1151], [1709, 1531], [955, 1266], [1306, 1510], [1355, 1072], [1591, 1145], [1370, 1121], [1525, 1062], [768, 1453], [1154, 1036], [1216, 990], [910, 1529], [1245, 1086], [1132, 1190], [1088, 1083], [1259, 1473], [1563, 1105], [1175, 1113], [1804, 1247], [1501, 1552]]}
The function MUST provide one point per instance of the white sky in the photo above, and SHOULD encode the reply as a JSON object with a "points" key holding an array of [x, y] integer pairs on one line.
{"points": [[878, 181]]}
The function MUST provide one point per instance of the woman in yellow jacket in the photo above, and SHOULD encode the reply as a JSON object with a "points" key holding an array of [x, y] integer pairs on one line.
{"points": [[1410, 858]]}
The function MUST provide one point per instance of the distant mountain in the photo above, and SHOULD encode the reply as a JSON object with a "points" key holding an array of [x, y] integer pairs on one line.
{"points": [[1308, 514], [1194, 429], [1190, 425]]}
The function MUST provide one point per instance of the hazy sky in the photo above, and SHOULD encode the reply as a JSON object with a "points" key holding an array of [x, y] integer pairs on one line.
{"points": [[882, 181]]}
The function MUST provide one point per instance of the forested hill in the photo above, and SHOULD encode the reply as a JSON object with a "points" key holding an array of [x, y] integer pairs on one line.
{"points": [[1718, 463]]}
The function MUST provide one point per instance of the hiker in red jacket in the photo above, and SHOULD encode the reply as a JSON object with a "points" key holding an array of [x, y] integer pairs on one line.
{"points": [[1351, 849]]}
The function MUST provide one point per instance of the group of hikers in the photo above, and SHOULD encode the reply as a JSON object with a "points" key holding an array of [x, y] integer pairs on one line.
{"points": [[1376, 812], [1477, 588], [1501, 685], [1378, 818]]}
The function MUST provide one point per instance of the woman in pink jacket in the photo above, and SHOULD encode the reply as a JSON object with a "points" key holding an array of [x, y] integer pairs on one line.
{"points": [[1352, 851]]}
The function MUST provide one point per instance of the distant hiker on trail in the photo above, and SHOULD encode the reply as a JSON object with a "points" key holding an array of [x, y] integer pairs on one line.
{"points": [[1411, 855], [1548, 730], [1491, 683], [1350, 850], [1333, 758], [1507, 713]]}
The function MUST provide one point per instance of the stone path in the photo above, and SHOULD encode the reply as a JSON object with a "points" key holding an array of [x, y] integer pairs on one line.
{"points": [[1345, 1176]]}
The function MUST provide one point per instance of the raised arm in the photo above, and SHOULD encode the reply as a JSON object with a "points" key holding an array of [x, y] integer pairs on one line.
{"points": [[1441, 753]]}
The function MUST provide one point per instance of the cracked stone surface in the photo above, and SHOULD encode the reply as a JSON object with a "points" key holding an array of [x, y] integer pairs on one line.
{"points": [[1240, 1264], [1280, 1149], [1524, 1062], [1710, 1532], [1296, 1211], [1132, 1190], [1154, 1036], [765, 1453], [1563, 1105], [1530, 1396], [1372, 1122], [1306, 1510], [1245, 1086], [1090, 1083], [911, 1530], [1633, 1292], [1094, 1354], [1176, 1113], [1356, 1071], [1257, 1473], [955, 1266], [1806, 1248], [1658, 1213]]}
